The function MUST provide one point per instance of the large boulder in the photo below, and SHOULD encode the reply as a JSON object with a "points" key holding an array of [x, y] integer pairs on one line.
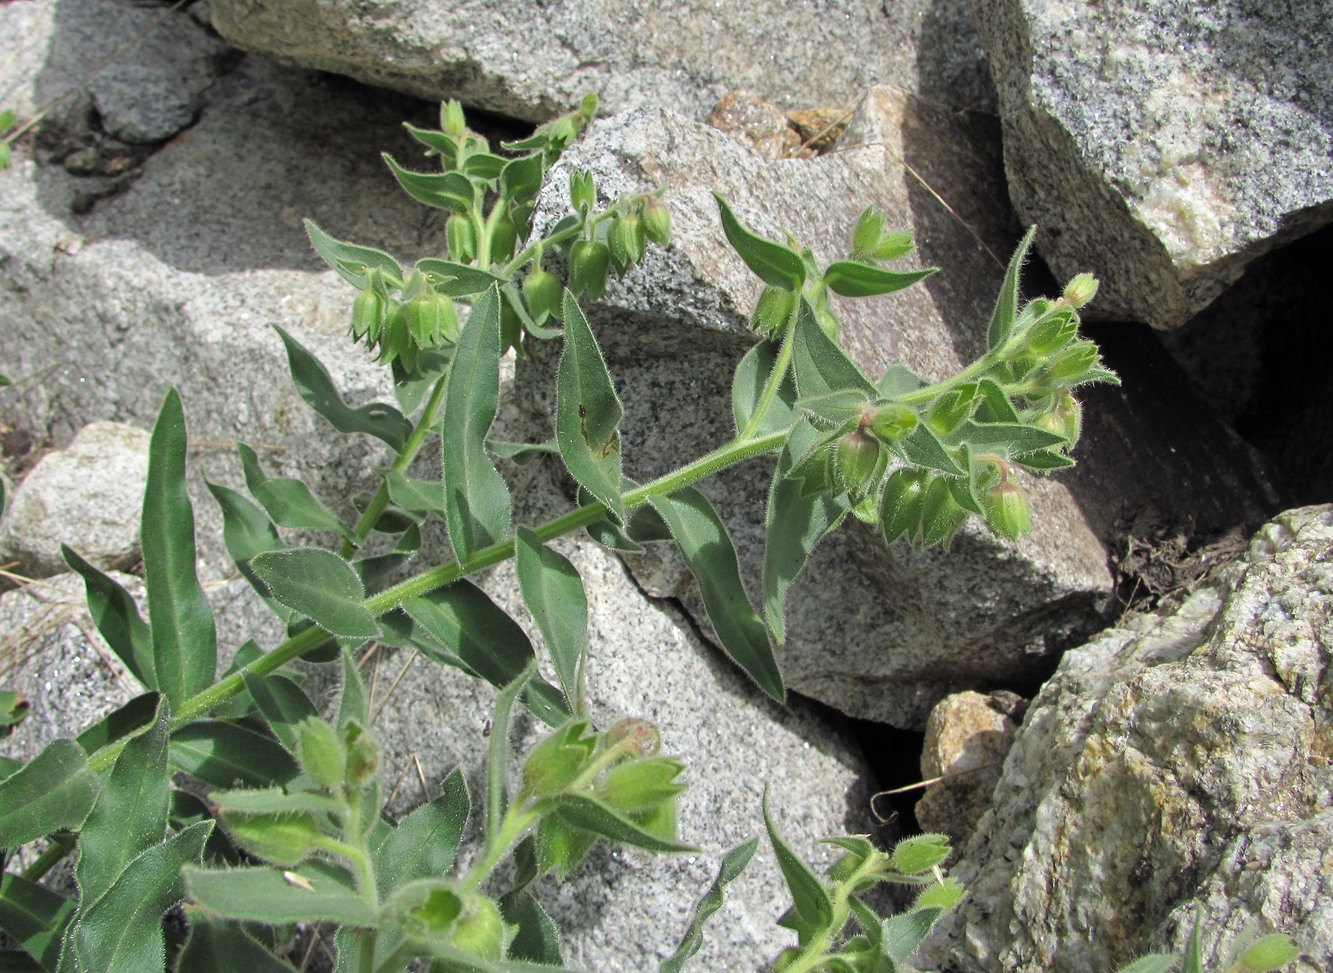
{"points": [[530, 59], [882, 634], [1177, 759], [1165, 143]]}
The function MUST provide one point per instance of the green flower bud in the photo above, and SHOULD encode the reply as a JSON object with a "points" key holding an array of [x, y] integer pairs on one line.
{"points": [[558, 759], [320, 753], [892, 422], [627, 241], [1052, 333], [1072, 364], [1081, 290], [951, 409], [942, 895], [395, 339], [462, 238], [452, 122], [773, 310], [920, 853], [657, 223], [367, 316], [866, 234], [902, 502], [1269, 953], [504, 237], [431, 319], [635, 786], [858, 462], [542, 291], [480, 931], [588, 262], [1064, 417], [1006, 510], [641, 736], [893, 245], [941, 514], [582, 191]]}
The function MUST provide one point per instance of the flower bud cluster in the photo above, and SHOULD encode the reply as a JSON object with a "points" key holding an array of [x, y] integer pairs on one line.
{"points": [[616, 240], [401, 328]]}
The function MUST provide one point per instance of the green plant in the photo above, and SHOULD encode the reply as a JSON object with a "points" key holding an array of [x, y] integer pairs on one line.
{"points": [[303, 837], [8, 119]]}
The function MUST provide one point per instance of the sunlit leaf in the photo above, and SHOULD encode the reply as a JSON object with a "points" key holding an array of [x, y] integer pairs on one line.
{"points": [[588, 413]]}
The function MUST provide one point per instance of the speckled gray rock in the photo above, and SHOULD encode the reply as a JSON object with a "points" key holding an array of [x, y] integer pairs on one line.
{"points": [[529, 59], [1176, 758], [878, 634], [87, 496], [141, 104], [1166, 143]]}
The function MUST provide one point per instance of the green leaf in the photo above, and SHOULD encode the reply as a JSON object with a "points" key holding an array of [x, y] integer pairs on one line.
{"points": [[733, 863], [484, 166], [902, 934], [819, 364], [184, 637], [353, 263], [287, 500], [923, 448], [1043, 461], [439, 143], [521, 178], [898, 380], [1016, 438], [230, 755], [1152, 963], [411, 386], [13, 710], [752, 374], [321, 585], [219, 946], [853, 279], [774, 264], [522, 453], [130, 815], [809, 896], [312, 892], [588, 413], [450, 191], [462, 622], [794, 522], [497, 753], [1006, 306], [54, 790], [711, 558], [458, 280], [589, 814], [272, 801], [130, 718], [423, 496], [123, 929], [283, 703], [1192, 960], [995, 405], [477, 505], [316, 387], [117, 619], [34, 917], [352, 703], [553, 591], [424, 843], [247, 531], [537, 938]]}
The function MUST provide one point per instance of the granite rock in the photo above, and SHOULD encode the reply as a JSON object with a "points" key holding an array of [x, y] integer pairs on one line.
{"points": [[87, 495], [1166, 143], [1176, 759]]}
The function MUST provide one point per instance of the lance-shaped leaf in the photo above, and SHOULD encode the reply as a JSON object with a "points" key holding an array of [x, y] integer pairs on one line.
{"points": [[923, 448], [1006, 305], [321, 585], [587, 413], [795, 520], [900, 935], [476, 498], [230, 755], [117, 619], [747, 386], [853, 279], [711, 558], [352, 262], [315, 891], [995, 405], [1015, 438], [316, 387], [34, 917], [130, 815], [54, 790], [1043, 461], [537, 938], [130, 718], [590, 814], [450, 191], [820, 365], [455, 279], [123, 929], [521, 178], [219, 946], [553, 591], [484, 166], [809, 897], [497, 753], [733, 863], [184, 637], [287, 500], [352, 702], [247, 531], [424, 843], [775, 264], [461, 621], [283, 703]]}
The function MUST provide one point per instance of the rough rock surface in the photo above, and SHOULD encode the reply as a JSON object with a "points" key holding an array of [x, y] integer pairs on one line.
{"points": [[878, 634], [87, 496], [1165, 143], [1175, 759], [967, 737], [530, 59]]}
